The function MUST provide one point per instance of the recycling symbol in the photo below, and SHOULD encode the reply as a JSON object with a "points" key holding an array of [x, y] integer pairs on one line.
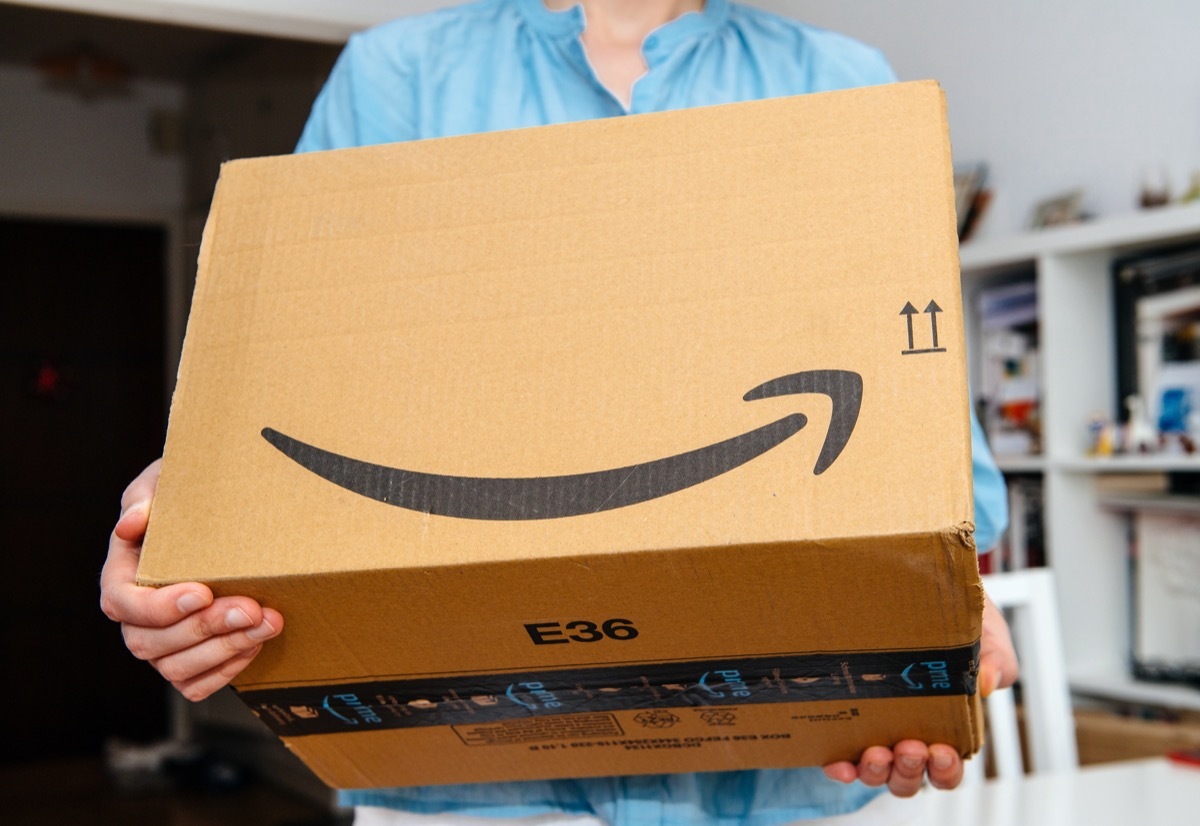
{"points": [[656, 719], [718, 717]]}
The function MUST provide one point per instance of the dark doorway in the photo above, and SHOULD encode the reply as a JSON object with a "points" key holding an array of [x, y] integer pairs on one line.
{"points": [[81, 412]]}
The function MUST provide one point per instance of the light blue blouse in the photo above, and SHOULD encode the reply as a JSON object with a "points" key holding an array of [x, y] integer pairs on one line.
{"points": [[504, 64]]}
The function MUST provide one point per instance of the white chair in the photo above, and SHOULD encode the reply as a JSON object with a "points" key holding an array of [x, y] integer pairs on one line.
{"points": [[1029, 600]]}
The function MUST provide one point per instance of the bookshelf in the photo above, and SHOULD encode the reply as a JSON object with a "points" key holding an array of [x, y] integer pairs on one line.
{"points": [[1086, 537]]}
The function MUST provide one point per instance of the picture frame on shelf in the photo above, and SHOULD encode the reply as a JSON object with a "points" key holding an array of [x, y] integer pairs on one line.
{"points": [[970, 197], [1151, 291]]}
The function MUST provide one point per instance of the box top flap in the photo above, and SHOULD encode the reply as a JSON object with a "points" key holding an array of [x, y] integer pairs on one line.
{"points": [[732, 325]]}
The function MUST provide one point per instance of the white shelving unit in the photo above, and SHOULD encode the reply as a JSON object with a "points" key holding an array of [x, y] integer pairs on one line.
{"points": [[1086, 543]]}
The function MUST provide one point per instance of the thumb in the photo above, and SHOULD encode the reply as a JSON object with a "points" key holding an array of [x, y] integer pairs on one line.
{"points": [[135, 504], [997, 658], [990, 677], [131, 526]]}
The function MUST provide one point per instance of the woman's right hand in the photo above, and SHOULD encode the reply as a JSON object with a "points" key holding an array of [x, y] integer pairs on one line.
{"points": [[196, 642]]}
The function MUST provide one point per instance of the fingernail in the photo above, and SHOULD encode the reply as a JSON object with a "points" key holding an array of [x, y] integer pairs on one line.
{"points": [[136, 508], [910, 762], [875, 769], [941, 761], [265, 630], [190, 603], [237, 618]]}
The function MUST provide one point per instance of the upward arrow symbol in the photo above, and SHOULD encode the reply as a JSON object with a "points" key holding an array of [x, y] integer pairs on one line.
{"points": [[910, 311], [933, 309]]}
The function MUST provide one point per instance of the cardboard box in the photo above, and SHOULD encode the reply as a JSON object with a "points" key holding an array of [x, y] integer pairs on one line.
{"points": [[618, 447]]}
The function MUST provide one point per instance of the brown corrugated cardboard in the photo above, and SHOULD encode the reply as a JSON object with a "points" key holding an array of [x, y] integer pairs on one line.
{"points": [[625, 446]]}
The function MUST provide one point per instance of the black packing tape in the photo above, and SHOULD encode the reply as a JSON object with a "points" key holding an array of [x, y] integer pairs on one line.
{"points": [[297, 711]]}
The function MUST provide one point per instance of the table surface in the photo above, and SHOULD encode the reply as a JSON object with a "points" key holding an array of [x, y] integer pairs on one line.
{"points": [[1155, 792]]}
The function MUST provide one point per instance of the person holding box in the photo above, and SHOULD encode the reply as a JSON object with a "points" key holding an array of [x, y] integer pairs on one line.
{"points": [[503, 64]]}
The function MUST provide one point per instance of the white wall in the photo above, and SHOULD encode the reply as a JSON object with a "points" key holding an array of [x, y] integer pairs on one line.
{"points": [[1052, 94], [62, 155]]}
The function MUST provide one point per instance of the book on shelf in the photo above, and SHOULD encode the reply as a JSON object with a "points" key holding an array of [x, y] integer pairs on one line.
{"points": [[1120, 484], [1010, 389], [1022, 544], [1149, 491]]}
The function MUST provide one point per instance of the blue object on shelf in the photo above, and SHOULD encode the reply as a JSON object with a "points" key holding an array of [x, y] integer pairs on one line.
{"points": [[1176, 408]]}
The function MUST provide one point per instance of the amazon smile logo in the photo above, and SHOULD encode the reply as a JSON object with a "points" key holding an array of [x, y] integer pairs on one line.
{"points": [[550, 497]]}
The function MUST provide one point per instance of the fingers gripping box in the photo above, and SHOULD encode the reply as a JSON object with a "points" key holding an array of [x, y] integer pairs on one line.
{"points": [[618, 447]]}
